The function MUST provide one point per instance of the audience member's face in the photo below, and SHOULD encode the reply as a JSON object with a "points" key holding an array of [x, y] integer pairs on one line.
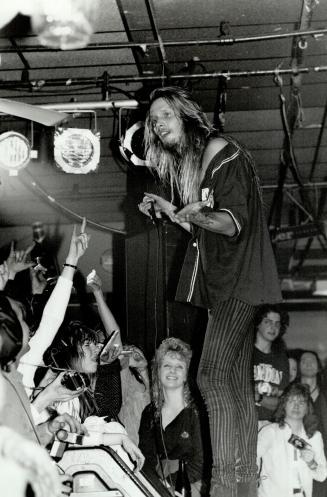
{"points": [[292, 364], [269, 327], [173, 371], [309, 365], [18, 310], [166, 125], [88, 360], [296, 408]]}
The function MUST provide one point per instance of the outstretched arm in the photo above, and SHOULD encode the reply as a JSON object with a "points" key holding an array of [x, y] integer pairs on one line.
{"points": [[54, 310], [109, 322]]}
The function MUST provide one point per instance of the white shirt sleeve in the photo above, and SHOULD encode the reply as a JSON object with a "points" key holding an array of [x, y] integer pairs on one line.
{"points": [[52, 317]]}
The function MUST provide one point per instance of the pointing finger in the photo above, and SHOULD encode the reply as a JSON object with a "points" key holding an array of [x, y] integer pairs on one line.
{"points": [[83, 225]]}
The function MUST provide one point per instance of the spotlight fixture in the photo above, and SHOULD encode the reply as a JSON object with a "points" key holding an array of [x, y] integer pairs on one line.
{"points": [[15, 152], [132, 144], [76, 151], [320, 288], [64, 24]]}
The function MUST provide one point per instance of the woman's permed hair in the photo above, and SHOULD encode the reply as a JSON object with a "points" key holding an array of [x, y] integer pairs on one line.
{"points": [[174, 347]]}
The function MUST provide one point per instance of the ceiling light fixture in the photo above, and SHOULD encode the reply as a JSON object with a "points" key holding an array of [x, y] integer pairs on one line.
{"points": [[132, 144], [76, 151], [15, 152], [65, 24], [320, 288]]}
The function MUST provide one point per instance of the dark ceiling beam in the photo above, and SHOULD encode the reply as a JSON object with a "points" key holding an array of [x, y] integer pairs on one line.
{"points": [[319, 141], [155, 44], [18, 50], [155, 30], [129, 36]]}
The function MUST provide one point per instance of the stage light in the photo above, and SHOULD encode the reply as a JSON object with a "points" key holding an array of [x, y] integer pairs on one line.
{"points": [[320, 288], [65, 24], [76, 151], [15, 152], [132, 144]]}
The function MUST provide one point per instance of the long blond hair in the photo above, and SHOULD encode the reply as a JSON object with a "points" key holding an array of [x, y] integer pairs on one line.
{"points": [[181, 170]]}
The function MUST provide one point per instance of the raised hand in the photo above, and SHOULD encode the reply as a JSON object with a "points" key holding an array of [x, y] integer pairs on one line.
{"points": [[4, 275], [78, 244], [160, 206], [18, 260], [94, 281]]}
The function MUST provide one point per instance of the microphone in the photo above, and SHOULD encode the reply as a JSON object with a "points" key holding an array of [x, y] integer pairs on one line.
{"points": [[153, 216]]}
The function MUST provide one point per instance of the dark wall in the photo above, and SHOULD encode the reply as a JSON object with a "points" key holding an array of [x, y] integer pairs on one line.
{"points": [[150, 263]]}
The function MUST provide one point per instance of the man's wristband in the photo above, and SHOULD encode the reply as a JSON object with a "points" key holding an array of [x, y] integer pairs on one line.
{"points": [[69, 265]]}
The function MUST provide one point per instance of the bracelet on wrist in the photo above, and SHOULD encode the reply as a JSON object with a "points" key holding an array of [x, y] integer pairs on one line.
{"points": [[69, 265]]}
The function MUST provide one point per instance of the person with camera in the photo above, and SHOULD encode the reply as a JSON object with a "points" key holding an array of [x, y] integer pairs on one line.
{"points": [[291, 450], [75, 351]]}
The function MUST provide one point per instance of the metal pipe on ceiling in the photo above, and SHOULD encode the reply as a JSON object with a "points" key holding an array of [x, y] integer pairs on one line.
{"points": [[155, 44], [172, 77], [75, 106], [291, 186]]}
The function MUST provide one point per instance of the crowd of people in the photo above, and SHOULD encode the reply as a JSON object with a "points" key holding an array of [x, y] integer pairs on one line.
{"points": [[266, 407]]}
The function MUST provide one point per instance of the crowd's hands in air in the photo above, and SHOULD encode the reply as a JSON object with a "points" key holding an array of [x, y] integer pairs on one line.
{"points": [[93, 280], [4, 275], [18, 260], [111, 353], [78, 244]]}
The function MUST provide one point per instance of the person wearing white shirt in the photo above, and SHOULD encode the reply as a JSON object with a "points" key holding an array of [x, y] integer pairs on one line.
{"points": [[291, 451]]}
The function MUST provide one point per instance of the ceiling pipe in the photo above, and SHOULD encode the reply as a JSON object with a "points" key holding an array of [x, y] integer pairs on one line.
{"points": [[291, 186], [104, 105], [156, 44], [163, 77]]}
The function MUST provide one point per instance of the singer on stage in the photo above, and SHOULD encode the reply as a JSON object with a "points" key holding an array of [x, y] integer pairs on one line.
{"points": [[229, 268]]}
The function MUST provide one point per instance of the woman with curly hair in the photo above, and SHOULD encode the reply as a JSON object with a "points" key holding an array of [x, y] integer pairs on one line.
{"points": [[170, 426], [291, 451]]}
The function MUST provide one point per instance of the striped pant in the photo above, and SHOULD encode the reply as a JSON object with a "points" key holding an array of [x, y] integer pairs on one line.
{"points": [[224, 379]]}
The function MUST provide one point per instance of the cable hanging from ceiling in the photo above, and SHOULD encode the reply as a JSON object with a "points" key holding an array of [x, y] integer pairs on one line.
{"points": [[31, 182]]}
